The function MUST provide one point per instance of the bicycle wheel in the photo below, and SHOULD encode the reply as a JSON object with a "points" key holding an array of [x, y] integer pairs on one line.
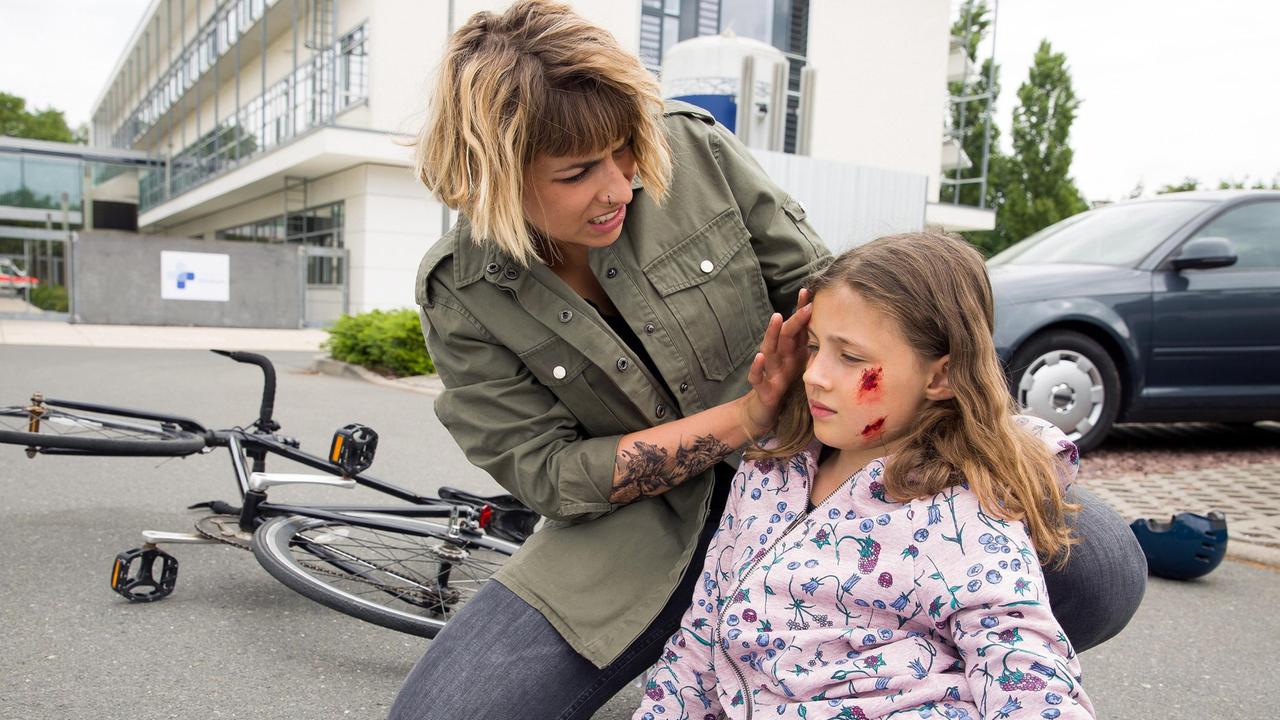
{"points": [[413, 583], [59, 431]]}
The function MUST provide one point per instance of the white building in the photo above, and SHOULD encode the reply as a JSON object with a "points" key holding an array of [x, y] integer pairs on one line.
{"points": [[286, 120]]}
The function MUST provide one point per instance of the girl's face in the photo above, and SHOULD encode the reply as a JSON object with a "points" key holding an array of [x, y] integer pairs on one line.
{"points": [[864, 383], [580, 200]]}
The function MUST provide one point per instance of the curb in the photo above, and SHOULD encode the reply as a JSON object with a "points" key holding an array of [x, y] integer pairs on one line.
{"points": [[1253, 553], [429, 385]]}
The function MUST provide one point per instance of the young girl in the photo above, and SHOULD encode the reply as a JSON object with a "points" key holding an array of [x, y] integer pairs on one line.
{"points": [[880, 556]]}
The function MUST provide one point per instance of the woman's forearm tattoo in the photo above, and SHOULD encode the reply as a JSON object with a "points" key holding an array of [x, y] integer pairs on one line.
{"points": [[649, 469]]}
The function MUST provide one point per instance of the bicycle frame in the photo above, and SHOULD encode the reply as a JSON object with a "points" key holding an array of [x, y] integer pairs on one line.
{"points": [[243, 445]]}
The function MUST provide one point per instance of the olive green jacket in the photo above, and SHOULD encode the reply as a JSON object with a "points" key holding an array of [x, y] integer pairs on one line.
{"points": [[539, 389]]}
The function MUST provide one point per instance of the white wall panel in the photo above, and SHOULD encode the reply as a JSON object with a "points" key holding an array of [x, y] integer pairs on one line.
{"points": [[848, 204]]}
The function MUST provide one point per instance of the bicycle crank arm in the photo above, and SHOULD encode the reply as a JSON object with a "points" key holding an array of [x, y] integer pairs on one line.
{"points": [[261, 481], [156, 537]]}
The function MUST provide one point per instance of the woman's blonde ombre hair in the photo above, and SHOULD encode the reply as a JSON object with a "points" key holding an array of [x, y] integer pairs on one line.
{"points": [[535, 80], [935, 287]]}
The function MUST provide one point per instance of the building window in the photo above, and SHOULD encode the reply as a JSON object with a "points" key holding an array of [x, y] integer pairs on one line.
{"points": [[317, 227]]}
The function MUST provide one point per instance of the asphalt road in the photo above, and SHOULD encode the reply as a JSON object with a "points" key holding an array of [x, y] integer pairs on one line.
{"points": [[233, 643]]}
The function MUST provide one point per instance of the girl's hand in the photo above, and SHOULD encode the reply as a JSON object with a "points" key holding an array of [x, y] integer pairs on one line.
{"points": [[780, 361]]}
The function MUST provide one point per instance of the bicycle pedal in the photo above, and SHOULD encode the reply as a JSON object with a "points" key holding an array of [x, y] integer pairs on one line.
{"points": [[134, 574]]}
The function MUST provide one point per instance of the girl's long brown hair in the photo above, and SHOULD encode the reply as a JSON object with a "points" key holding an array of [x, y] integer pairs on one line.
{"points": [[937, 290], [535, 79]]}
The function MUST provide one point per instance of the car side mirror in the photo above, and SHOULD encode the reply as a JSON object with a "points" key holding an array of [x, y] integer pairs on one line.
{"points": [[1205, 253]]}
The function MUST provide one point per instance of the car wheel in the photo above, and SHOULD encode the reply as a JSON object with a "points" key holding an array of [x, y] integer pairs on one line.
{"points": [[1071, 381]]}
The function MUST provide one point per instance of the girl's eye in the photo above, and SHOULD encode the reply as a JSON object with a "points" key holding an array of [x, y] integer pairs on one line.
{"points": [[812, 348], [851, 359], [573, 178]]}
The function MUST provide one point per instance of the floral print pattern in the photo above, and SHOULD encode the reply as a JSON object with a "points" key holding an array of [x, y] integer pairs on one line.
{"points": [[864, 608]]}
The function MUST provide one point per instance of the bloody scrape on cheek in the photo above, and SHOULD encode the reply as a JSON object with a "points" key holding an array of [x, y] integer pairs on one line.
{"points": [[869, 385], [873, 429]]}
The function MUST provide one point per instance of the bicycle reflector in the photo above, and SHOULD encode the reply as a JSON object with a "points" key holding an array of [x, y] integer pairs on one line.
{"points": [[1187, 546], [352, 448]]}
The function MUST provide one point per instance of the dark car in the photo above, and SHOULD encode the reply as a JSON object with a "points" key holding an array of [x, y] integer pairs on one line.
{"points": [[1157, 310]]}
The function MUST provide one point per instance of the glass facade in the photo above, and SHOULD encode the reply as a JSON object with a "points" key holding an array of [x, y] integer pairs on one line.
{"points": [[39, 182], [213, 40], [317, 227], [333, 81]]}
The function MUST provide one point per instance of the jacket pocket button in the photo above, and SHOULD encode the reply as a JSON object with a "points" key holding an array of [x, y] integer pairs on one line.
{"points": [[707, 266], [491, 268], [566, 315], [623, 364], [684, 387], [559, 372], [511, 273], [650, 328], [660, 411], [611, 273]]}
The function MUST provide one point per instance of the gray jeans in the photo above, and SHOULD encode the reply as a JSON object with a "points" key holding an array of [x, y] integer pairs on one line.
{"points": [[499, 659]]}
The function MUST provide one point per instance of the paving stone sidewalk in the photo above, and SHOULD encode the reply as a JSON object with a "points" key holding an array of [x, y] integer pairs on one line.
{"points": [[1249, 495]]}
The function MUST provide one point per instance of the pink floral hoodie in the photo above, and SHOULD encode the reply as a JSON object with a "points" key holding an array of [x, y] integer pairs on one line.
{"points": [[866, 608]]}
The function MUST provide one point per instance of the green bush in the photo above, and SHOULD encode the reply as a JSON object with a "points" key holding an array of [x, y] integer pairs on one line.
{"points": [[50, 297], [390, 343]]}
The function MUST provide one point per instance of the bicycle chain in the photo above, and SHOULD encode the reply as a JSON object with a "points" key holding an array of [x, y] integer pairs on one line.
{"points": [[427, 599]]}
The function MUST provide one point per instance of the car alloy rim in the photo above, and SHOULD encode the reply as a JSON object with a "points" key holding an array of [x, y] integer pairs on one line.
{"points": [[1065, 388]]}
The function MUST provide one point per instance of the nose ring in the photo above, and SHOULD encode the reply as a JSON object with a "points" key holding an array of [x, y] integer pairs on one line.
{"points": [[609, 199]]}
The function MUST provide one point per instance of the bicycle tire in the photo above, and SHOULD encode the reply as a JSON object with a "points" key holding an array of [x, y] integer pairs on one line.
{"points": [[375, 575], [95, 435]]}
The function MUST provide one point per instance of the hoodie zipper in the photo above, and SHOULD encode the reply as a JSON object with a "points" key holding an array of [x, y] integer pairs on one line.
{"points": [[742, 680]]}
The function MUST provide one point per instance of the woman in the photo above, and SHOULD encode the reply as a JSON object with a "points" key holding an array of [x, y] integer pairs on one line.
{"points": [[613, 269]]}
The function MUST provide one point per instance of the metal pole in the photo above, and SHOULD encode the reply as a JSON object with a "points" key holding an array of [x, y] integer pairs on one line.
{"points": [[262, 101], [292, 87], [171, 106], [66, 253], [238, 107], [217, 89], [991, 87], [964, 84], [333, 66], [198, 71]]}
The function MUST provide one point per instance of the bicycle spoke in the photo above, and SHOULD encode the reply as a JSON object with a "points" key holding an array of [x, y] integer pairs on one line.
{"points": [[392, 568]]}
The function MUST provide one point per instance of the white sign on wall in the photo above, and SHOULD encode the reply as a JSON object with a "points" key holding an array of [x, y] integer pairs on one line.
{"points": [[195, 276]]}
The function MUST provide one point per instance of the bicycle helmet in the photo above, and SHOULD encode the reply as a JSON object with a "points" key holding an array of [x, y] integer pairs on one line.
{"points": [[1188, 546]]}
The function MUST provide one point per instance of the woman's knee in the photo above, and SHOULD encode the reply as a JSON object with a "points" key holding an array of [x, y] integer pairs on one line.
{"points": [[1102, 584]]}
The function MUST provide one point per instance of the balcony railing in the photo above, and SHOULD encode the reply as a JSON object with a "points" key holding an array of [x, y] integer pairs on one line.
{"points": [[213, 40], [313, 95]]}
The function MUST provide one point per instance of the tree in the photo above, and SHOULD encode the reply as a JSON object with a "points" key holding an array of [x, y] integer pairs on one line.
{"points": [[47, 124], [1033, 186], [1188, 184]]}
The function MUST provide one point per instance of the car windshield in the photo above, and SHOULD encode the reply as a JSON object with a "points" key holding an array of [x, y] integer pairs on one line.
{"points": [[1114, 235]]}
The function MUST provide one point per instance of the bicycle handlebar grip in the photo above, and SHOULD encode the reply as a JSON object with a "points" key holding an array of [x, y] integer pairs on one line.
{"points": [[267, 409]]}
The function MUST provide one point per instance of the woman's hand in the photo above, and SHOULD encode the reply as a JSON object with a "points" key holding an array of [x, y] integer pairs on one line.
{"points": [[781, 359]]}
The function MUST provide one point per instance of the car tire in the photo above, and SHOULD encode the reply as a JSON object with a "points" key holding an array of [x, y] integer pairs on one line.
{"points": [[1070, 380]]}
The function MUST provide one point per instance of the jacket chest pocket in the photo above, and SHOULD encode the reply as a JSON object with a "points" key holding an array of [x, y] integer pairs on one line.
{"points": [[570, 376], [711, 282]]}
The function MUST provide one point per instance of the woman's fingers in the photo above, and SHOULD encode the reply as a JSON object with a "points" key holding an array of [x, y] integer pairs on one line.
{"points": [[755, 376], [772, 332], [795, 325]]}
